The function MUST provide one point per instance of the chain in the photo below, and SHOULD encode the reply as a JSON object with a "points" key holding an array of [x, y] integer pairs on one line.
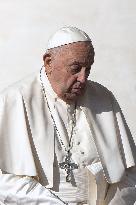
{"points": [[54, 124]]}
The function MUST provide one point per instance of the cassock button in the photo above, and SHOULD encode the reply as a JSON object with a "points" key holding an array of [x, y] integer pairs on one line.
{"points": [[83, 163], [71, 122], [78, 143], [82, 152]]}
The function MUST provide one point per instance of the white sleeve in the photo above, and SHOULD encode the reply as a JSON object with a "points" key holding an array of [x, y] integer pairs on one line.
{"points": [[25, 190], [124, 192]]}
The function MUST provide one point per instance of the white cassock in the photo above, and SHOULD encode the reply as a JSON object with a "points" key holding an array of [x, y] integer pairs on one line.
{"points": [[30, 148]]}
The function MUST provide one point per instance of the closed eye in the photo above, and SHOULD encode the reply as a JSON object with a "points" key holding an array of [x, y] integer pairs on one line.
{"points": [[75, 68]]}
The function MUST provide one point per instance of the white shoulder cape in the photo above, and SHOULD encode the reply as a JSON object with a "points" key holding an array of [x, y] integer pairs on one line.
{"points": [[27, 133]]}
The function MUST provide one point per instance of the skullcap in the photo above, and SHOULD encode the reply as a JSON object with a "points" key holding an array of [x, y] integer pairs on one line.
{"points": [[67, 35]]}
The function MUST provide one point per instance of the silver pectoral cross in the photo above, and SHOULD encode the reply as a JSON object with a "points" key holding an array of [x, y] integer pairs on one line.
{"points": [[68, 166]]}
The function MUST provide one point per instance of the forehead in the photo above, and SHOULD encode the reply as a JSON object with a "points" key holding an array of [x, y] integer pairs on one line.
{"points": [[74, 50]]}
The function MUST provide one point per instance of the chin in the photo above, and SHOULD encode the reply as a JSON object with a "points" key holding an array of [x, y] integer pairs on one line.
{"points": [[71, 98]]}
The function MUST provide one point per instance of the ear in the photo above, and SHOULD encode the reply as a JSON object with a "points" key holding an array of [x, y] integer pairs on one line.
{"points": [[47, 62]]}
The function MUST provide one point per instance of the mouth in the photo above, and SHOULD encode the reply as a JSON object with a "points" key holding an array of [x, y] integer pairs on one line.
{"points": [[78, 90]]}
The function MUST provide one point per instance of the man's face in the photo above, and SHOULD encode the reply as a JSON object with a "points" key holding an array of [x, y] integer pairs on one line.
{"points": [[68, 68]]}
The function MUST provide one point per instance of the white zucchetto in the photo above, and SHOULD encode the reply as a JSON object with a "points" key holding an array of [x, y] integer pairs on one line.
{"points": [[67, 35]]}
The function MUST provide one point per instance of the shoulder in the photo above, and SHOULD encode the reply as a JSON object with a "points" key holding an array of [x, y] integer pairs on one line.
{"points": [[97, 90], [14, 91], [99, 98]]}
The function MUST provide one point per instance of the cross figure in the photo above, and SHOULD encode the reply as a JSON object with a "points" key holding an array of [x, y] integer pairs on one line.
{"points": [[68, 166]]}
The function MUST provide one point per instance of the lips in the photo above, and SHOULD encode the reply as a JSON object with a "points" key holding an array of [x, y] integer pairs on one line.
{"points": [[77, 86], [78, 90]]}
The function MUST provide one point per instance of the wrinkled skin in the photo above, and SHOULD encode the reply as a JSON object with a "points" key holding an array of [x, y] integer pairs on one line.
{"points": [[68, 68]]}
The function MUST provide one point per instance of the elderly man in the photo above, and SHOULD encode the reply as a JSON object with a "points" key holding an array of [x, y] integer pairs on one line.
{"points": [[63, 139]]}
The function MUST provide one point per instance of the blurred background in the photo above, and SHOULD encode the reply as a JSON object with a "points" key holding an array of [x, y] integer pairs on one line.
{"points": [[26, 25]]}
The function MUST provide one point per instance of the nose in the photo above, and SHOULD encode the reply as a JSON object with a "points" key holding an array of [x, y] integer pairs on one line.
{"points": [[82, 76]]}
